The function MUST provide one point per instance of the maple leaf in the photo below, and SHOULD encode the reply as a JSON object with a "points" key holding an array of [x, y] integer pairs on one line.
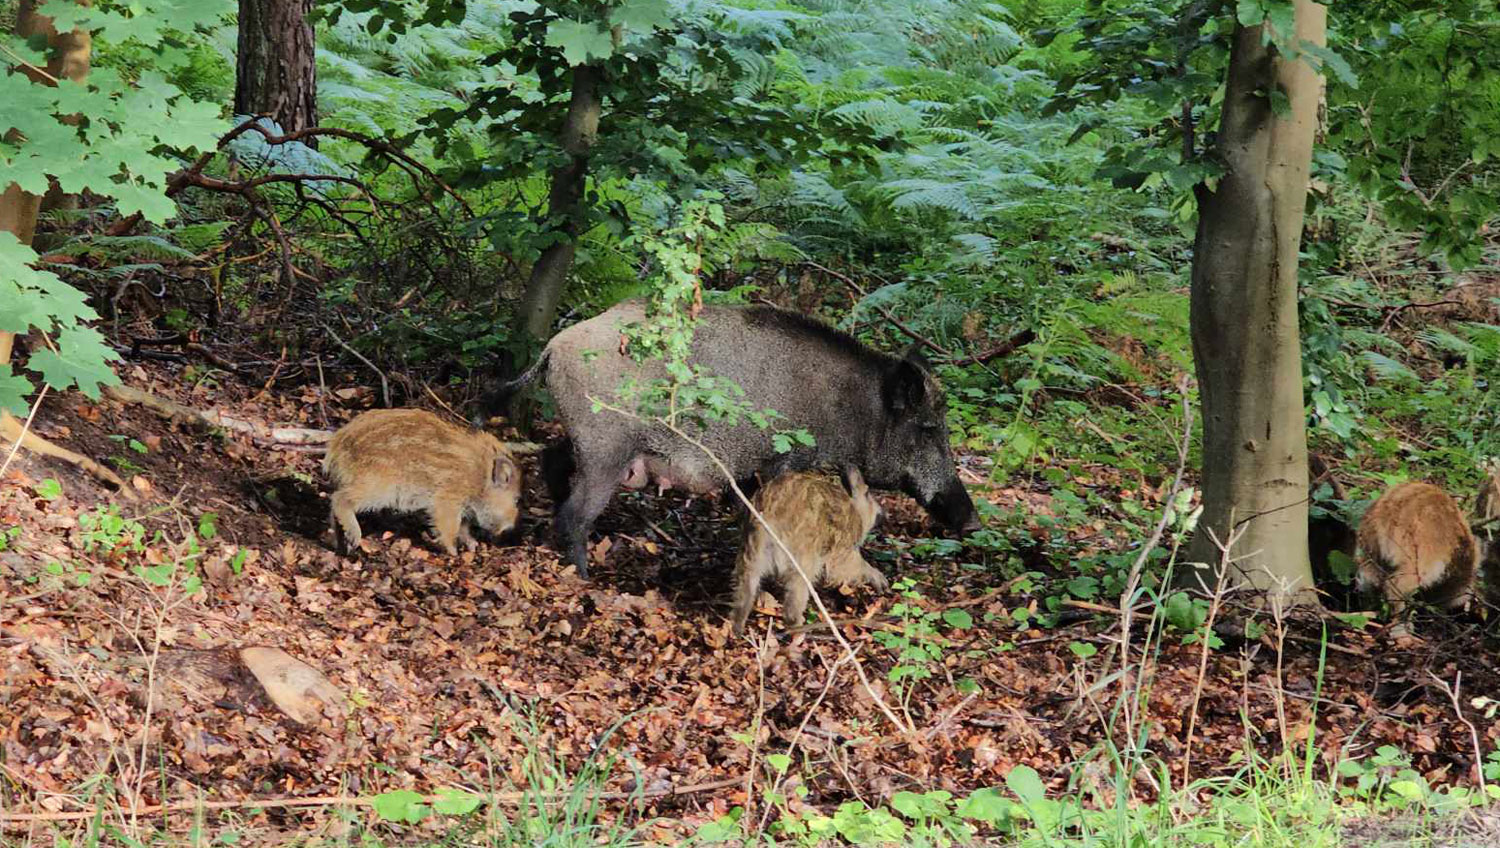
{"points": [[579, 41], [642, 16], [79, 360], [13, 390]]}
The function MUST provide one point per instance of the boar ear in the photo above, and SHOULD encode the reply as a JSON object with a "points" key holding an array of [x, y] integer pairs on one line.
{"points": [[913, 354], [503, 472], [905, 385]]}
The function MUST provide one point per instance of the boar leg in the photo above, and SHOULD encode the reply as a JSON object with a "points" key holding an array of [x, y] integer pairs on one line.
{"points": [[465, 538], [346, 533], [754, 561], [853, 569], [593, 485], [447, 523]]}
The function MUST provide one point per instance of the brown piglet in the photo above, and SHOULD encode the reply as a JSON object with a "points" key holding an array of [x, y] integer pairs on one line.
{"points": [[822, 524], [412, 460], [1414, 542]]}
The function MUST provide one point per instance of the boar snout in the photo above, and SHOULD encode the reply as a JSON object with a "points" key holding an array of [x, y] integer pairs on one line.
{"points": [[952, 508]]}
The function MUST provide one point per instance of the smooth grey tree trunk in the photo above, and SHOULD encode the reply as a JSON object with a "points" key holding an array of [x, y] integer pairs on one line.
{"points": [[565, 209], [1246, 346]]}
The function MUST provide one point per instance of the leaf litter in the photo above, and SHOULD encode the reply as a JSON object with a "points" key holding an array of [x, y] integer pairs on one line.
{"points": [[452, 670]]}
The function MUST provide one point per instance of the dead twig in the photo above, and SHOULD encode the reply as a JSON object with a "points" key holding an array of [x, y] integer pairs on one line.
{"points": [[896, 322], [385, 386], [360, 801], [1458, 710]]}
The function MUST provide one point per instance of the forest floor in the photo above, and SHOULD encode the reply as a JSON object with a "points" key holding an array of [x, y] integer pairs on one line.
{"points": [[455, 668]]}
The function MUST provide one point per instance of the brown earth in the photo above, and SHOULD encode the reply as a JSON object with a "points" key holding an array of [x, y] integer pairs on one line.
{"points": [[455, 668]]}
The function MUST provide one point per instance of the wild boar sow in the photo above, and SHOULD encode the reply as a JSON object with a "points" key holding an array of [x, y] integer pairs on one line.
{"points": [[411, 460], [821, 524], [882, 414]]}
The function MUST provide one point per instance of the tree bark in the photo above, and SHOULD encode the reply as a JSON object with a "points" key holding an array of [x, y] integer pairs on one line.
{"points": [[1246, 346], [565, 209], [275, 71], [69, 59]]}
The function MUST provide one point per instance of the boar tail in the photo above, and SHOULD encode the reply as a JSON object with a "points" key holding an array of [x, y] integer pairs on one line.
{"points": [[493, 401]]}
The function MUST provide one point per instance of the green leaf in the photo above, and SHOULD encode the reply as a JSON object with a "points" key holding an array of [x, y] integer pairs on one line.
{"points": [[780, 762], [456, 802], [79, 360], [1083, 650], [1027, 784], [49, 489], [1411, 790], [958, 619], [580, 42], [13, 391], [402, 805], [156, 575], [986, 805], [642, 16], [1328, 60], [208, 525], [1249, 13], [237, 562]]}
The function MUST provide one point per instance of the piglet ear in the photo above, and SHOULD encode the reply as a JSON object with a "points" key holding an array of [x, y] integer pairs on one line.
{"points": [[855, 482], [905, 385], [503, 472]]}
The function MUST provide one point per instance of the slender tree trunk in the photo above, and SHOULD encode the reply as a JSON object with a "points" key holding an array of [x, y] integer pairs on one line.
{"points": [[69, 59], [565, 209], [1246, 346], [275, 72]]}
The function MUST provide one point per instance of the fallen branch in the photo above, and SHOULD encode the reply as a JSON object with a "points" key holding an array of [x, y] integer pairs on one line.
{"points": [[170, 409], [1005, 348], [515, 797], [19, 436]]}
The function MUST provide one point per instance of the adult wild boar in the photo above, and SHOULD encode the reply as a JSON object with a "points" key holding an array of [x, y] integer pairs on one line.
{"points": [[882, 414]]}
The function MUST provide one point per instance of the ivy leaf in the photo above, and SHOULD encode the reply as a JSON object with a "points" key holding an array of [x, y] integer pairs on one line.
{"points": [[14, 390], [79, 360], [1249, 13], [579, 41]]}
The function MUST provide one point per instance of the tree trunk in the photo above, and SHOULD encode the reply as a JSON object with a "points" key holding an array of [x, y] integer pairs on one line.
{"points": [[275, 72], [565, 209], [69, 59], [1246, 347]]}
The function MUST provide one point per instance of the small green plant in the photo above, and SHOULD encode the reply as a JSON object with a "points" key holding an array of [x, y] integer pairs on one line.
{"points": [[106, 531], [8, 536], [917, 643]]}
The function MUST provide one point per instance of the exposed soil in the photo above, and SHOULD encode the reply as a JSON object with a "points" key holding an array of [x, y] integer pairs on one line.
{"points": [[455, 667]]}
